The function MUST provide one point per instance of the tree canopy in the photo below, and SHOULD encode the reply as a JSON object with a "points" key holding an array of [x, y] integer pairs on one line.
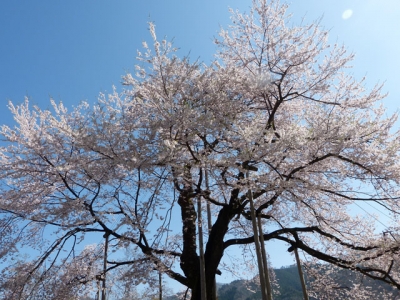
{"points": [[276, 121]]}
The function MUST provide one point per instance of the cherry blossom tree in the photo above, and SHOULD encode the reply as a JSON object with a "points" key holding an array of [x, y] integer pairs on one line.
{"points": [[275, 122]]}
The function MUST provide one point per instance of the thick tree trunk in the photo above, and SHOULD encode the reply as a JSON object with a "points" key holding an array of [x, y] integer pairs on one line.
{"points": [[215, 245], [189, 258], [190, 262]]}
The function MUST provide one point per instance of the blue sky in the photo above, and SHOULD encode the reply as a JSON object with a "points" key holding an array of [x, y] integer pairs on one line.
{"points": [[72, 50]]}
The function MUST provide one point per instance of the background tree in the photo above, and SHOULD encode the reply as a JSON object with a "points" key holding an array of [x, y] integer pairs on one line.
{"points": [[276, 103]]}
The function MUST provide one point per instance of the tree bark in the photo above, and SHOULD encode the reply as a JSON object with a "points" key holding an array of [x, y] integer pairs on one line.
{"points": [[215, 245], [189, 258]]}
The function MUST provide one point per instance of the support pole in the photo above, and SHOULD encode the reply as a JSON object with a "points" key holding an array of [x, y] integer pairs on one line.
{"points": [[160, 289], [201, 250], [103, 290], [257, 245], [301, 275], [265, 261], [209, 226]]}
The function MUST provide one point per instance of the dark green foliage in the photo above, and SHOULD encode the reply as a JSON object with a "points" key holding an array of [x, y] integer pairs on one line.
{"points": [[343, 277], [240, 290], [289, 283], [289, 287]]}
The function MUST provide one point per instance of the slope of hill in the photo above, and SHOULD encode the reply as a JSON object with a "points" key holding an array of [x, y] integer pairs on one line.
{"points": [[290, 287]]}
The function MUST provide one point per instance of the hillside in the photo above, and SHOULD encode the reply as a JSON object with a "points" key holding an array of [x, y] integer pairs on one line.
{"points": [[289, 286]]}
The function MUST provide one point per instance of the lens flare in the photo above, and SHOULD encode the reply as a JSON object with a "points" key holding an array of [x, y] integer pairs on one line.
{"points": [[347, 14]]}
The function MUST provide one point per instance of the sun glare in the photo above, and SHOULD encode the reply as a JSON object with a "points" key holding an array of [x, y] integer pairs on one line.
{"points": [[347, 14]]}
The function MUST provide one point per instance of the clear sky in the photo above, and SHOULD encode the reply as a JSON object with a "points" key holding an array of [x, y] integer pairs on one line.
{"points": [[72, 50]]}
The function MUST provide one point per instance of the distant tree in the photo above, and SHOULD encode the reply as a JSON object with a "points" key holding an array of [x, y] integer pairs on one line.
{"points": [[275, 116]]}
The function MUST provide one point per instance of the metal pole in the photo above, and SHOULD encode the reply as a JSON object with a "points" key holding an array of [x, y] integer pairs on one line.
{"points": [[160, 285], [257, 245], [103, 290], [301, 275], [265, 261], [201, 250], [209, 227]]}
